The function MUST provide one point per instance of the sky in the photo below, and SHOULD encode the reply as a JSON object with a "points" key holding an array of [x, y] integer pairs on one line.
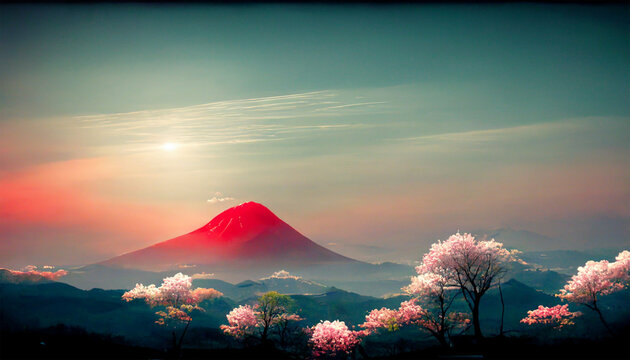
{"points": [[373, 130]]}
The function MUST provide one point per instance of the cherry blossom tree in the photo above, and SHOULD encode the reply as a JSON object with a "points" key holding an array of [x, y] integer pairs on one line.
{"points": [[470, 265], [621, 267], [557, 316], [382, 318], [596, 279], [330, 339], [178, 298], [271, 312], [434, 290], [439, 323], [242, 320]]}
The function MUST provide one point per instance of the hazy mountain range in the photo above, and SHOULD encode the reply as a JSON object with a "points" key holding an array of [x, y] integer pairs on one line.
{"points": [[240, 248]]}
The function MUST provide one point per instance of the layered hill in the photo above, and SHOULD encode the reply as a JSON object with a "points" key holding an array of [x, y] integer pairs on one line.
{"points": [[245, 235]]}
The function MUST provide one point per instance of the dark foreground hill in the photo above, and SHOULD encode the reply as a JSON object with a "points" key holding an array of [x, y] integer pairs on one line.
{"points": [[62, 342], [58, 320], [40, 305]]}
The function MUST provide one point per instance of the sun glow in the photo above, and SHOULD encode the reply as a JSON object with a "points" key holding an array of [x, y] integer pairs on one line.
{"points": [[169, 146]]}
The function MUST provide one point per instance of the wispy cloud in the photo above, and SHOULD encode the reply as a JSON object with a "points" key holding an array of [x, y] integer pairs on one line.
{"points": [[497, 134], [281, 274], [202, 275], [242, 121], [219, 198]]}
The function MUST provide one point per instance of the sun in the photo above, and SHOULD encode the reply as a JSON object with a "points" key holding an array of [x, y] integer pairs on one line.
{"points": [[169, 146]]}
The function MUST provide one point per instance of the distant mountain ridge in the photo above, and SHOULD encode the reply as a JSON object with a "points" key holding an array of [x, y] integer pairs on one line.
{"points": [[246, 235], [249, 288]]}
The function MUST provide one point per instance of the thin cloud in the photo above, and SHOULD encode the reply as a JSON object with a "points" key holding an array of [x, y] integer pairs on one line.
{"points": [[202, 275], [219, 198], [241, 121], [282, 274], [487, 135], [354, 105]]}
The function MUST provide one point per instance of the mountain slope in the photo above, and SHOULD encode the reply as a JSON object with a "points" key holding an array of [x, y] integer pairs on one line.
{"points": [[245, 235]]}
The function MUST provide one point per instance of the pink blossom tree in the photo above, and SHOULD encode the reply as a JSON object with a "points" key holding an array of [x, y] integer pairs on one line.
{"points": [[434, 290], [439, 322], [557, 316], [382, 318], [596, 279], [470, 265], [242, 320], [271, 312], [177, 297], [330, 339]]}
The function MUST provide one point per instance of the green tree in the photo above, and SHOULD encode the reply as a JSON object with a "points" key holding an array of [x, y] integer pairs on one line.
{"points": [[272, 306]]}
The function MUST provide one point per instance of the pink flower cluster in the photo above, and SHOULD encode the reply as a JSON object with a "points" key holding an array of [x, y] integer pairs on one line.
{"points": [[435, 289], [462, 249], [174, 291], [245, 319], [597, 278], [410, 313], [621, 267], [558, 316], [242, 321], [331, 338], [172, 313], [429, 284], [175, 294], [381, 318], [150, 294]]}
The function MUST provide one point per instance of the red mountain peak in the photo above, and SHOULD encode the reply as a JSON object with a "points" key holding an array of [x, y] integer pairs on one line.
{"points": [[241, 222], [248, 233]]}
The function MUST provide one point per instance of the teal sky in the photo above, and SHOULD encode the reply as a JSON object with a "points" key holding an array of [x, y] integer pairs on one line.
{"points": [[374, 130]]}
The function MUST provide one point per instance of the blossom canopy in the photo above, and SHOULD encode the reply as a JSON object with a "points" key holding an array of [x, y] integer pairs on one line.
{"points": [[597, 278], [175, 294], [558, 315], [330, 338]]}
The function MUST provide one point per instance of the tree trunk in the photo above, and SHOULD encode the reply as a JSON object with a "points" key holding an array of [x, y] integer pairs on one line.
{"points": [[442, 339], [263, 336], [174, 355], [502, 310], [475, 319], [601, 317], [181, 340], [362, 351]]}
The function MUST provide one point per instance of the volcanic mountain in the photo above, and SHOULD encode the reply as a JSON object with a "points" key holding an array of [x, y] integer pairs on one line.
{"points": [[243, 236]]}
